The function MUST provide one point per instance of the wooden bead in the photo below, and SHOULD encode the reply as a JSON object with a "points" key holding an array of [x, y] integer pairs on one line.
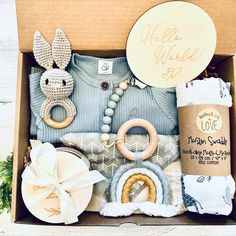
{"points": [[105, 138], [123, 85], [119, 91], [107, 120], [115, 97], [112, 104], [105, 128], [109, 112]]}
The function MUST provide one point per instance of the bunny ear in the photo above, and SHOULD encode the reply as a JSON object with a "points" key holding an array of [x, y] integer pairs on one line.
{"points": [[42, 51], [61, 50]]}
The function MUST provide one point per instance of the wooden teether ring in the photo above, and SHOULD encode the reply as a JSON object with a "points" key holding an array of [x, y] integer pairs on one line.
{"points": [[133, 179], [46, 112], [121, 138], [58, 124]]}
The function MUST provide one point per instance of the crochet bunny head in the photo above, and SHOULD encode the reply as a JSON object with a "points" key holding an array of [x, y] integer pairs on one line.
{"points": [[55, 83]]}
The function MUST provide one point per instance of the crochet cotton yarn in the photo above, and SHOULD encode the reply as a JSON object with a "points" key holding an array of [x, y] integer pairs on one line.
{"points": [[56, 84]]}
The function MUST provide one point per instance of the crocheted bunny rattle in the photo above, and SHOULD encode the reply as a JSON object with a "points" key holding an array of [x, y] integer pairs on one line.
{"points": [[56, 83]]}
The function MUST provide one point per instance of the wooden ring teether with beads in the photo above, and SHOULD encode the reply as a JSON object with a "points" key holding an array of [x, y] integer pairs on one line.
{"points": [[135, 178], [121, 138]]}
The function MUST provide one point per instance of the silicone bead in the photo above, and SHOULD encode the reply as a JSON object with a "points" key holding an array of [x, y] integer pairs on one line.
{"points": [[115, 97], [105, 128], [123, 85], [105, 138], [119, 91], [107, 120], [112, 104], [109, 112]]}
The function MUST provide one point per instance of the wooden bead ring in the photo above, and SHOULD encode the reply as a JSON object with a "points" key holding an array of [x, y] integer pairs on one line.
{"points": [[66, 104], [121, 138], [135, 178]]}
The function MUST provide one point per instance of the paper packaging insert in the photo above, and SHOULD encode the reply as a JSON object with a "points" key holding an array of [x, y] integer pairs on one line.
{"points": [[101, 28]]}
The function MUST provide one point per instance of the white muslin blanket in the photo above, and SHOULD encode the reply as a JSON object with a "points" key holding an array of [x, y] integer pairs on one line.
{"points": [[206, 194]]}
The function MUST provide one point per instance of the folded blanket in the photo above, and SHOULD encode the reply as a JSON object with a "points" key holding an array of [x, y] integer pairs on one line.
{"points": [[107, 159], [206, 194]]}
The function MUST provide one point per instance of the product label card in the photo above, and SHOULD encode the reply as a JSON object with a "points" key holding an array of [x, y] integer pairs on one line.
{"points": [[105, 67], [204, 140], [170, 44]]}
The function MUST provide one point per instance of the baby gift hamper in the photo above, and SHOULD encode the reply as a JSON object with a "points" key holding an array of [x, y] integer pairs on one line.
{"points": [[125, 113]]}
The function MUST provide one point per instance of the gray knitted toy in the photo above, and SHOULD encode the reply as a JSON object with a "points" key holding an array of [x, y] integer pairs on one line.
{"points": [[56, 83]]}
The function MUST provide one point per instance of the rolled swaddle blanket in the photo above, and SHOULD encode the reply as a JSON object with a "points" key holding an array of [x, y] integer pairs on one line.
{"points": [[204, 155]]}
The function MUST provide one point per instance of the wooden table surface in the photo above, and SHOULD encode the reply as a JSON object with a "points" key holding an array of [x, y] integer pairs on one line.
{"points": [[8, 66]]}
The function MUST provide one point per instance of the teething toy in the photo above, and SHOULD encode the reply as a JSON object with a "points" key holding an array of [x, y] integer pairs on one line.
{"points": [[129, 174], [158, 202], [56, 83], [121, 138]]}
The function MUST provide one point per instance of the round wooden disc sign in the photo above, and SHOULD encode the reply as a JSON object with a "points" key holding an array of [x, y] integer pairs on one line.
{"points": [[170, 44]]}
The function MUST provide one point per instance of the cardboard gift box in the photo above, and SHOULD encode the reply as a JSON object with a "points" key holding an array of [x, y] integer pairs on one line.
{"points": [[100, 28]]}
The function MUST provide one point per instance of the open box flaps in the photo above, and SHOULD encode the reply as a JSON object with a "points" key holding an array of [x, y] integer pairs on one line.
{"points": [[109, 23]]}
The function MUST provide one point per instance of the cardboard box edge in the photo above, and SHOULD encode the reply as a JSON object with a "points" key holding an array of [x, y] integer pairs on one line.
{"points": [[16, 137]]}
